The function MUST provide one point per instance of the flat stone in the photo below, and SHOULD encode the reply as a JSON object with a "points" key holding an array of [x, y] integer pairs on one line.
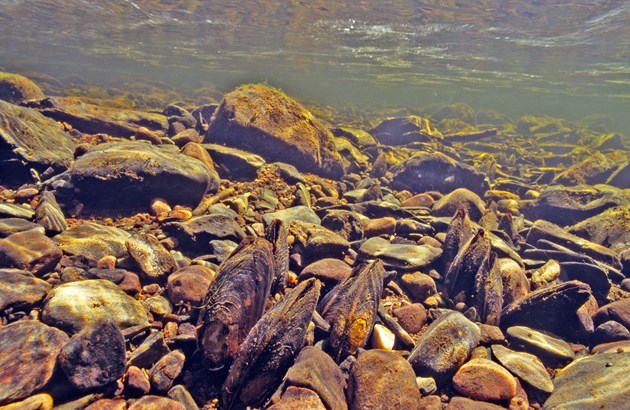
{"points": [[525, 366], [345, 223], [94, 357], [180, 394], [264, 121], [190, 285], [136, 382], [196, 233], [382, 379], [593, 382], [94, 119], [316, 370], [379, 226], [29, 250], [166, 370], [34, 139], [411, 317], [609, 228], [108, 404], [149, 352], [483, 379], [540, 344], [399, 256], [418, 285], [20, 290], [156, 403], [9, 226], [151, 257], [158, 305], [444, 346], [610, 331], [234, 163], [72, 306], [130, 174], [93, 241], [296, 213], [329, 271], [15, 211], [28, 356]]}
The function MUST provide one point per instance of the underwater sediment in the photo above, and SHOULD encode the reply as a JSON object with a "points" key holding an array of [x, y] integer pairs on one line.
{"points": [[252, 252]]}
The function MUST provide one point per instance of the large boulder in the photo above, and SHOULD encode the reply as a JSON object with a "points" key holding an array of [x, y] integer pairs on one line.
{"points": [[15, 88], [30, 140], [264, 121], [130, 174], [436, 171], [94, 119]]}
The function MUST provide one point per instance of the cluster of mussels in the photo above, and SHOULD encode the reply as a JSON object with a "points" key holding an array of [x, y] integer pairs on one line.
{"points": [[242, 254]]}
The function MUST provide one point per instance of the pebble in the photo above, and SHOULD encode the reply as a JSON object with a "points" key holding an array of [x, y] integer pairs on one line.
{"points": [[29, 250], [418, 200], [525, 366], [38, 346], [379, 226], [93, 241], [464, 403], [330, 271], [156, 403], [189, 285], [618, 311], [130, 284], [444, 346], [411, 317], [296, 213], [484, 380], [382, 379], [382, 338], [298, 398], [418, 285], [136, 382], [20, 289], [108, 404], [151, 257], [166, 370], [149, 351], [399, 256], [540, 344], [71, 306], [42, 401], [95, 356], [460, 198], [610, 331], [10, 226]]}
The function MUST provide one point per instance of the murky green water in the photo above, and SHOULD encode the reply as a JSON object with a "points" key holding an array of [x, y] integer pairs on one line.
{"points": [[563, 58]]}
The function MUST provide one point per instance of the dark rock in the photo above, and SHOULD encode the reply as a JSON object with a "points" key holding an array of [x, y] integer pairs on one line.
{"points": [[189, 285], [435, 171], [29, 250], [593, 170], [95, 356], [149, 351], [594, 382], [113, 275], [15, 88], [166, 370], [345, 223], [28, 355], [136, 382], [382, 379], [525, 366], [399, 256], [554, 309], [621, 176], [317, 241], [264, 121], [315, 370], [73, 306], [131, 174], [568, 206], [27, 136], [94, 119], [20, 290], [154, 261], [196, 233], [610, 331], [609, 228], [93, 241], [444, 346], [405, 130], [461, 198], [234, 163], [618, 311], [411, 317], [590, 273], [483, 379], [464, 403]]}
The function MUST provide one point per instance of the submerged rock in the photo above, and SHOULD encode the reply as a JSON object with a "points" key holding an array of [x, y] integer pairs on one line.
{"points": [[15, 88], [27, 136], [131, 174], [525, 366], [399, 256], [20, 290], [483, 379], [29, 250], [405, 130], [264, 121], [93, 241], [28, 356], [94, 119]]}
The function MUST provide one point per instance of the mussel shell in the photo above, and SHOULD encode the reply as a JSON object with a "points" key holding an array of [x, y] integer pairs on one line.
{"points": [[49, 215], [235, 301], [271, 346], [276, 233]]}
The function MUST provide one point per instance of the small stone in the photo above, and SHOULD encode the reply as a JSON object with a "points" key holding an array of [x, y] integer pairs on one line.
{"points": [[189, 285], [180, 394], [9, 226], [296, 213], [156, 403], [618, 311], [382, 379], [483, 379], [154, 261], [158, 305], [136, 382], [24, 373], [106, 262], [166, 370], [382, 338], [464, 403], [540, 344], [130, 284], [160, 207], [525, 366], [95, 356], [411, 317], [399, 256], [419, 285], [25, 194], [20, 289], [426, 385], [73, 305], [298, 398], [491, 334], [460, 198], [149, 351], [345, 223], [425, 200], [16, 88], [93, 241], [330, 271], [610, 331], [29, 250], [444, 346], [108, 404], [144, 134], [379, 226]]}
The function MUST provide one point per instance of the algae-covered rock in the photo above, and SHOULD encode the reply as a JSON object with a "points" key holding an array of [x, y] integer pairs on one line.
{"points": [[405, 130], [15, 88], [130, 174], [264, 121], [30, 140], [94, 119]]}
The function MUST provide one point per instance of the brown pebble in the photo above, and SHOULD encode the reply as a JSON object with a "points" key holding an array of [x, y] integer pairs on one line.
{"points": [[151, 289], [463, 403], [431, 241], [108, 404], [431, 402], [143, 133], [170, 330], [136, 382], [419, 285], [131, 284], [379, 226], [107, 262], [411, 317], [419, 200], [25, 194], [160, 207], [483, 379]]}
